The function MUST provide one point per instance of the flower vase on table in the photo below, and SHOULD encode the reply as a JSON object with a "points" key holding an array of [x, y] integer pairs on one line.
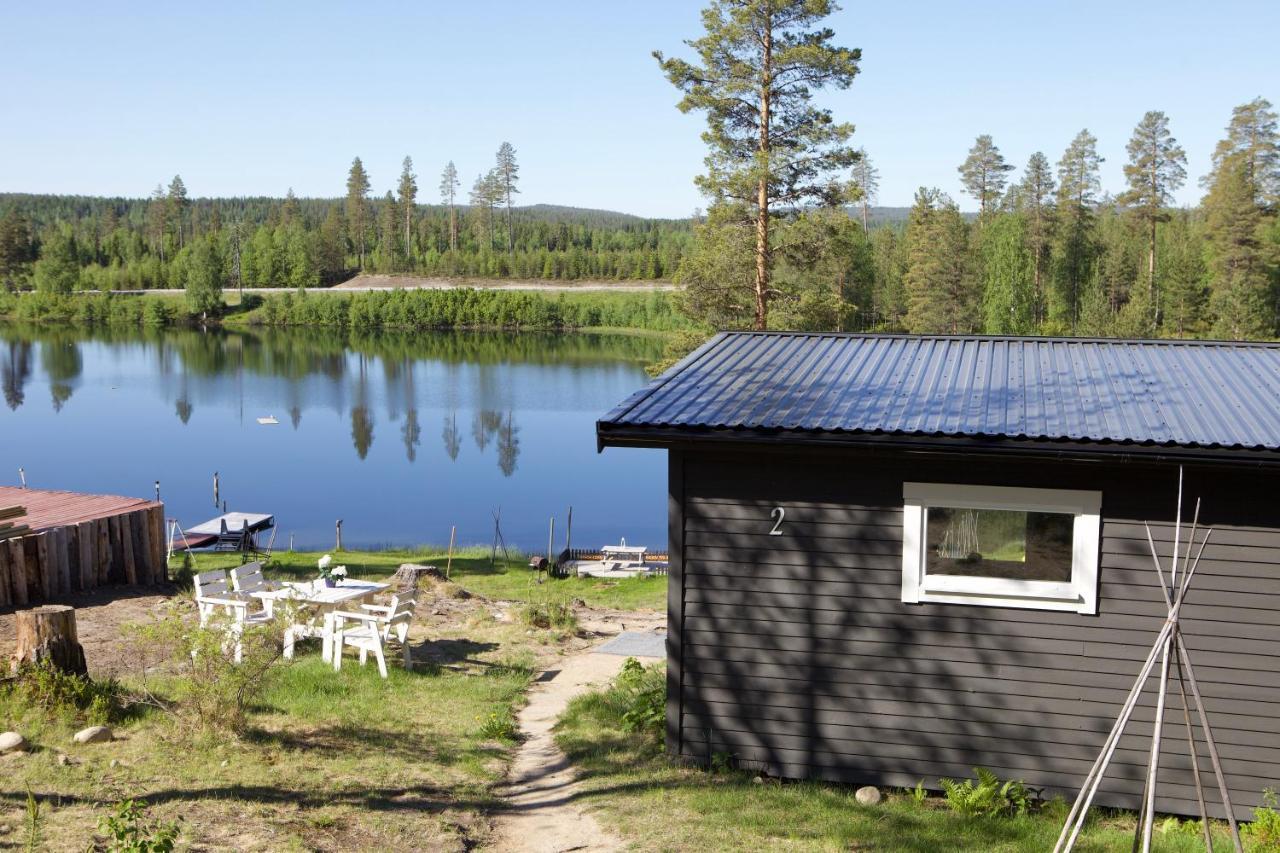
{"points": [[330, 576]]}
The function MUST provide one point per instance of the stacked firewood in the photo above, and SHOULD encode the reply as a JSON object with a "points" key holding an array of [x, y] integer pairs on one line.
{"points": [[10, 528]]}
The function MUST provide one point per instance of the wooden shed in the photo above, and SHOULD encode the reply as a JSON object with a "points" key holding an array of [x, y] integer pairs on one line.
{"points": [[66, 542], [898, 558]]}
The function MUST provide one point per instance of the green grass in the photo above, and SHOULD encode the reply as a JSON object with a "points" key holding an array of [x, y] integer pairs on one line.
{"points": [[509, 580], [327, 761], [659, 805]]}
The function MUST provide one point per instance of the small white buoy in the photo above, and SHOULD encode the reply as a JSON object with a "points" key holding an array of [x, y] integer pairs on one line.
{"points": [[268, 420]]}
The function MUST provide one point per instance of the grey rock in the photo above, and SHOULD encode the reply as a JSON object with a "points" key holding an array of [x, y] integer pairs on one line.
{"points": [[12, 742], [868, 795], [93, 734]]}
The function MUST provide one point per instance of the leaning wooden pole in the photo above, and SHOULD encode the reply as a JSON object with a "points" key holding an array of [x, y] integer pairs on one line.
{"points": [[1169, 646]]}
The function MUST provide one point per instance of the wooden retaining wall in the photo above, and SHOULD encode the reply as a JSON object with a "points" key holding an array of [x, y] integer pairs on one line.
{"points": [[126, 548]]}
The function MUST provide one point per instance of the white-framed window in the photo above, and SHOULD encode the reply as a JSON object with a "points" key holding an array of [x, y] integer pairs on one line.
{"points": [[1000, 547]]}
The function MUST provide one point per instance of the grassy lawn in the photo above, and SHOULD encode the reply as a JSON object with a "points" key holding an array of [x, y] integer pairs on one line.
{"points": [[509, 580], [326, 761], [656, 805]]}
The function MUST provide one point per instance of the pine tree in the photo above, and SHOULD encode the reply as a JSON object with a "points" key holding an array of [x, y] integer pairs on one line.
{"points": [[1253, 142], [1078, 186], [1034, 197], [157, 220], [176, 207], [389, 230], [760, 63], [508, 174], [1156, 169], [866, 177], [408, 191], [941, 297], [358, 208], [984, 174], [448, 195]]}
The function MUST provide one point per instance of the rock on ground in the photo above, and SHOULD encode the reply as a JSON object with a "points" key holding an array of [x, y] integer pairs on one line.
{"points": [[869, 795], [93, 734], [12, 742]]}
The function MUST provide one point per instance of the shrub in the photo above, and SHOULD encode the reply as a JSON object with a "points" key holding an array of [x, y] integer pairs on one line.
{"points": [[1263, 833], [544, 609], [210, 690], [989, 797], [74, 698], [129, 831], [643, 695]]}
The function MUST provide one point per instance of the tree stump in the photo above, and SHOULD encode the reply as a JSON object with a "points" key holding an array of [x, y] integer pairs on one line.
{"points": [[409, 575], [48, 634]]}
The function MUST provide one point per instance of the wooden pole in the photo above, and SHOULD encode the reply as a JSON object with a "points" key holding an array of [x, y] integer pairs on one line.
{"points": [[48, 635], [216, 501], [338, 530], [551, 537], [448, 566], [22, 475], [568, 533]]}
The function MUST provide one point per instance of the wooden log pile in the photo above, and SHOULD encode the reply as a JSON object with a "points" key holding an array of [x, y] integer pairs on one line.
{"points": [[128, 548], [8, 526]]}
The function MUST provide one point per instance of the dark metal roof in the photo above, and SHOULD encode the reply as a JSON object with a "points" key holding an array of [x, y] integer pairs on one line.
{"points": [[1223, 395]]}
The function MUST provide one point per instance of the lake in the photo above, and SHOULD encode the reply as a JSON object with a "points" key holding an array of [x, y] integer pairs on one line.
{"points": [[399, 435]]}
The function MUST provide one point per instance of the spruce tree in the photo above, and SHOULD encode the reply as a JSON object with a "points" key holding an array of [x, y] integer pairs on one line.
{"points": [[1157, 168], [358, 208], [984, 174], [760, 62], [941, 296], [290, 211], [1240, 260], [408, 191]]}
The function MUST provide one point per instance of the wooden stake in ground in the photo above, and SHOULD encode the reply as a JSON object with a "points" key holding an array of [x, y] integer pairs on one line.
{"points": [[448, 566], [48, 634]]}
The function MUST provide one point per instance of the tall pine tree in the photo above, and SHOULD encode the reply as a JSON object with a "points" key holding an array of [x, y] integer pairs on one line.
{"points": [[1033, 197], [1157, 168], [1078, 187], [866, 178], [358, 215], [507, 173], [760, 62], [408, 191], [984, 174], [449, 195]]}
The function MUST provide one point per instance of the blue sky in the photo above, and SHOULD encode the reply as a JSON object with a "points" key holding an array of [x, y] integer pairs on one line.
{"points": [[252, 98]]}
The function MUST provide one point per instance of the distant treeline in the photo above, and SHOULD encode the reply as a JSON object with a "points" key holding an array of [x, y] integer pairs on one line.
{"points": [[67, 243]]}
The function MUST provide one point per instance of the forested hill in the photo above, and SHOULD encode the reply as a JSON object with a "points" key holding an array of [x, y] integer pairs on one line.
{"points": [[87, 242]]}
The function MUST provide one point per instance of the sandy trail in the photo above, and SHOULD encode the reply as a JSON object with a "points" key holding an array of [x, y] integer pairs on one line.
{"points": [[543, 815]]}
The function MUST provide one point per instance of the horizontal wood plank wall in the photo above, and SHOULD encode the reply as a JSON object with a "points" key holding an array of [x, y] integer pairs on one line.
{"points": [[126, 548], [796, 654]]}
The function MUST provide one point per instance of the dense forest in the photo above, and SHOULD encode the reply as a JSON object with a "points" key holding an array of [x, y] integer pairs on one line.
{"points": [[170, 239]]}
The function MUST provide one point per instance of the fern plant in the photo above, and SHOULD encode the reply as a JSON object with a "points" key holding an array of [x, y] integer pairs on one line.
{"points": [[989, 796]]}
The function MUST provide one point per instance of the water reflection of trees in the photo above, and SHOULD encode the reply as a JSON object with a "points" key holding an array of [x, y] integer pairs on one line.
{"points": [[324, 367], [16, 372]]}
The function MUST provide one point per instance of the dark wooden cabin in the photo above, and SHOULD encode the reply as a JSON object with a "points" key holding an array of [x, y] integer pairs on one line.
{"points": [[899, 558]]}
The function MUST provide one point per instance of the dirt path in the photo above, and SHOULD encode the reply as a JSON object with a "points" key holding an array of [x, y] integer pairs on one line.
{"points": [[542, 814]]}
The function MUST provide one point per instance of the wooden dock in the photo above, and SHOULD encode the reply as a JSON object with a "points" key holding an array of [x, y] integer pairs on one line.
{"points": [[65, 542]]}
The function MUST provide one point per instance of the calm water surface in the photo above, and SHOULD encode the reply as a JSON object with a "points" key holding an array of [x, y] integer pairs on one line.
{"points": [[400, 436]]}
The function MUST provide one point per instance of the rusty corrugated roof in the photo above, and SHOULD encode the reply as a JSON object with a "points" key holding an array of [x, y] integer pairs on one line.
{"points": [[1202, 394], [47, 508]]}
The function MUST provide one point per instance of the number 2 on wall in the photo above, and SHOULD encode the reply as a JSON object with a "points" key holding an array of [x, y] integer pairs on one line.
{"points": [[777, 515]]}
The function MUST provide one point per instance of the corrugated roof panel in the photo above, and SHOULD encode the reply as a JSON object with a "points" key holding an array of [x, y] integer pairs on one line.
{"points": [[1194, 394]]}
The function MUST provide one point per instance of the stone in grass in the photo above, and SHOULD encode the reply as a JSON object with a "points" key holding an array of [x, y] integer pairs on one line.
{"points": [[93, 734], [868, 795], [12, 742]]}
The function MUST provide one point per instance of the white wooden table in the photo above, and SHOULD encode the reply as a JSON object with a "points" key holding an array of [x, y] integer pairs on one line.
{"points": [[322, 601]]}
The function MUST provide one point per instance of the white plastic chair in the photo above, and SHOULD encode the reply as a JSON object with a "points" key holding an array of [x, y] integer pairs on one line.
{"points": [[371, 630]]}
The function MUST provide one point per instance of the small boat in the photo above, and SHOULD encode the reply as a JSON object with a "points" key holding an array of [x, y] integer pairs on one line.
{"points": [[268, 420]]}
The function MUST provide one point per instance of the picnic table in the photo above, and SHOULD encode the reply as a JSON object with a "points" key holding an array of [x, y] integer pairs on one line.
{"points": [[322, 602], [626, 553]]}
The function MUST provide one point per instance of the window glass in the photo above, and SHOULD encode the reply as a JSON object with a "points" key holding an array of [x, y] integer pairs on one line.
{"points": [[992, 543]]}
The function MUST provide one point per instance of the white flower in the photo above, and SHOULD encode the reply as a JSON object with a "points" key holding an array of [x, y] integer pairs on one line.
{"points": [[339, 571], [324, 562]]}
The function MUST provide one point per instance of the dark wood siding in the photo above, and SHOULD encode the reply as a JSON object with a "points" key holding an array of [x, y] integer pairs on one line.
{"points": [[795, 653]]}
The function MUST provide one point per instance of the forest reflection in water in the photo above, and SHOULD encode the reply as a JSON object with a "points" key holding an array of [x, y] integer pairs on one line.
{"points": [[452, 398]]}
